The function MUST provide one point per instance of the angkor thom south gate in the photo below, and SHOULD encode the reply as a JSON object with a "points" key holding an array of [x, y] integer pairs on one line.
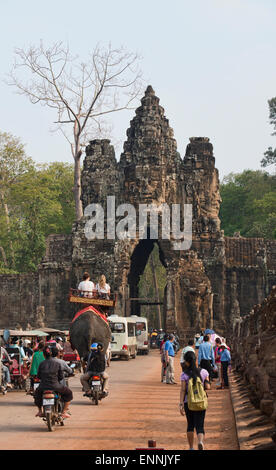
{"points": [[209, 285]]}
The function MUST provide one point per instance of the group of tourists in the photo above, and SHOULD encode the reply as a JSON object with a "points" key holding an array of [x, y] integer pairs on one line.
{"points": [[205, 358], [88, 288]]}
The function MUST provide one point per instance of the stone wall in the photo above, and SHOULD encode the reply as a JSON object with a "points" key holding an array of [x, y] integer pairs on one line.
{"points": [[254, 353], [18, 299]]}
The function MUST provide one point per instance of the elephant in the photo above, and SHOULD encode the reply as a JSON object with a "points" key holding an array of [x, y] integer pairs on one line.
{"points": [[87, 327]]}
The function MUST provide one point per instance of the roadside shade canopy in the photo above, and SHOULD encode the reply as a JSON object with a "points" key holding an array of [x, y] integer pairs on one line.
{"points": [[21, 333], [51, 330]]}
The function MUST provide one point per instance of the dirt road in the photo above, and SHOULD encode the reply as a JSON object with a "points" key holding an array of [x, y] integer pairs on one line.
{"points": [[138, 408]]}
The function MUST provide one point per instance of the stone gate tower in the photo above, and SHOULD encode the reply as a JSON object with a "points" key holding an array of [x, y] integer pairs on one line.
{"points": [[207, 285]]}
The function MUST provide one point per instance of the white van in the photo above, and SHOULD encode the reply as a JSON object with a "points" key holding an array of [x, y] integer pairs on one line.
{"points": [[142, 334], [123, 332]]}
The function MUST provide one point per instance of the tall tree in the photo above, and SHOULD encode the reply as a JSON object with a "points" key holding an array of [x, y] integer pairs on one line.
{"points": [[249, 204], [13, 164], [41, 203], [270, 154], [80, 93]]}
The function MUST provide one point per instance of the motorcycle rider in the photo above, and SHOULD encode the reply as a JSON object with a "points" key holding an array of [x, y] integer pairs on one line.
{"points": [[27, 348], [64, 366], [50, 375], [153, 337], [96, 364], [18, 349], [59, 344]]}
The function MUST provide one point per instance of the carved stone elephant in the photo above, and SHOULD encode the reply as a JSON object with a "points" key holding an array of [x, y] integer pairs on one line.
{"points": [[88, 328]]}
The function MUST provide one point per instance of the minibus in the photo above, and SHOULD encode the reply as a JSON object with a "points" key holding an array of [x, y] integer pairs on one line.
{"points": [[123, 333]]}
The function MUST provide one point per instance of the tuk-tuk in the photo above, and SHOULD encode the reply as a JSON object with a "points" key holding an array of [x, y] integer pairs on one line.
{"points": [[70, 356], [19, 368]]}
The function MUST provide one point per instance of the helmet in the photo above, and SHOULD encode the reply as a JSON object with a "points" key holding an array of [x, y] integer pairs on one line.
{"points": [[94, 346]]}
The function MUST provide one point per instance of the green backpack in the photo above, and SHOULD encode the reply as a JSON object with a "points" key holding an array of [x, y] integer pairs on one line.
{"points": [[197, 398]]}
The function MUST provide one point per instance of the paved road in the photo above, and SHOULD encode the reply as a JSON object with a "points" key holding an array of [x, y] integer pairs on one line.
{"points": [[138, 408]]}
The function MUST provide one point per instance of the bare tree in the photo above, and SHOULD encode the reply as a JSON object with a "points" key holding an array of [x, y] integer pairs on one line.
{"points": [[80, 93]]}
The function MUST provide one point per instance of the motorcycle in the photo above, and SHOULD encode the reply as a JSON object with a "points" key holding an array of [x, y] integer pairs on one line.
{"points": [[74, 364], [52, 409], [96, 387], [32, 385], [67, 375]]}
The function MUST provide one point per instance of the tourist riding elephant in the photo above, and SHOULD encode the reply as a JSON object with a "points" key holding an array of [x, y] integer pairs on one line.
{"points": [[87, 327]]}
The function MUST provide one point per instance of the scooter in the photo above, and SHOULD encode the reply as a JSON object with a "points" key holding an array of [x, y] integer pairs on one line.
{"points": [[34, 383], [96, 387], [52, 409], [67, 375]]}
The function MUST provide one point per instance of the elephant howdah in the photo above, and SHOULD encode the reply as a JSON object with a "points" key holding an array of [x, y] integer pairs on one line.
{"points": [[89, 326]]}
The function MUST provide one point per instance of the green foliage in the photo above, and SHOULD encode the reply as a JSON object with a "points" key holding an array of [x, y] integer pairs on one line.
{"points": [[249, 204], [36, 200], [147, 289], [270, 154]]}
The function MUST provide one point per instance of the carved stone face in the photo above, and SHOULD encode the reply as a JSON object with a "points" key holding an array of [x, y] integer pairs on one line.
{"points": [[210, 199]]}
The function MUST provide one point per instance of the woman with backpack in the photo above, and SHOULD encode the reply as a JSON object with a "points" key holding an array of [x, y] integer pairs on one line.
{"points": [[193, 398]]}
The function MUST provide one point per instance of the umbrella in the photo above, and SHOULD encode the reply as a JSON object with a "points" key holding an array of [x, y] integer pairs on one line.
{"points": [[209, 332]]}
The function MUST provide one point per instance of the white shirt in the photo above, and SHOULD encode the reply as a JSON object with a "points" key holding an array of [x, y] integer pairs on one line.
{"points": [[104, 290], [87, 286]]}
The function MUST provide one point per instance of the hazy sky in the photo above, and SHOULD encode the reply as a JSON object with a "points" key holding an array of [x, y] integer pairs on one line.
{"points": [[211, 62]]}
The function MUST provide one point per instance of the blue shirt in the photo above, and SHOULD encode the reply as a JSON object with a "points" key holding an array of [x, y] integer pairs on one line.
{"points": [[206, 352], [169, 347], [225, 355]]}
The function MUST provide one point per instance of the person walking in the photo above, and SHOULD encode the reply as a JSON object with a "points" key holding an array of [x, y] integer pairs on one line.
{"points": [[169, 354], [190, 347], [225, 359], [163, 358], [195, 419], [217, 361], [206, 356], [197, 341]]}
